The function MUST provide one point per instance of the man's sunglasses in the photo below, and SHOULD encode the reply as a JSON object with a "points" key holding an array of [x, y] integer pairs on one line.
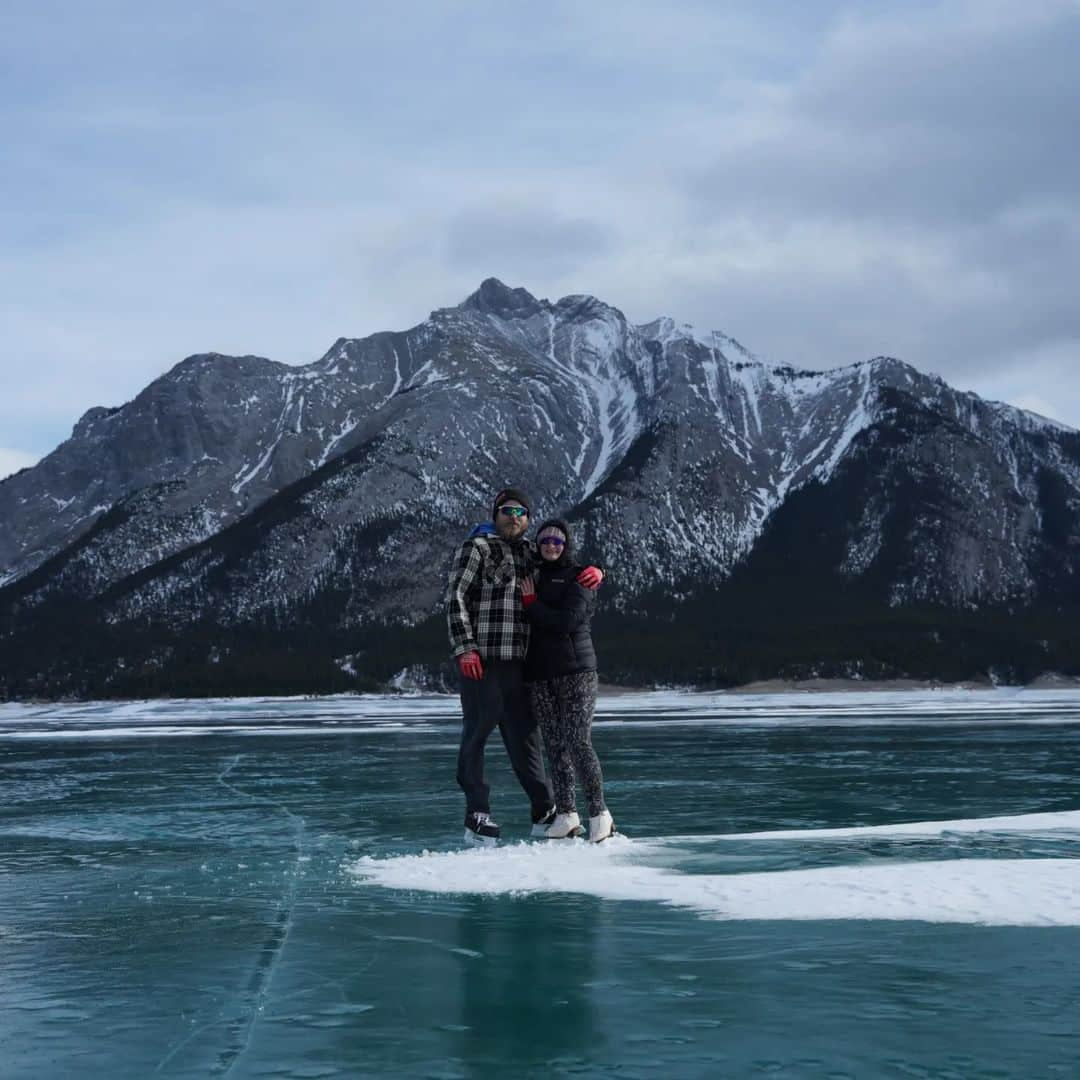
{"points": [[552, 540], [514, 511]]}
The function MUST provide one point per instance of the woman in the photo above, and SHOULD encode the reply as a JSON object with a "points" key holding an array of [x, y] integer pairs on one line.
{"points": [[560, 670]]}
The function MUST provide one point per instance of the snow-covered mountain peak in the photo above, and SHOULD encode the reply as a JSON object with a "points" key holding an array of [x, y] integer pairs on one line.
{"points": [[495, 298], [336, 352], [662, 330], [635, 423], [666, 331], [1029, 420], [584, 307], [87, 424]]}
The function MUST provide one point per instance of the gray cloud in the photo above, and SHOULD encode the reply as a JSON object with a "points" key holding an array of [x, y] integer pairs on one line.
{"points": [[932, 121], [823, 183], [919, 189], [531, 243]]}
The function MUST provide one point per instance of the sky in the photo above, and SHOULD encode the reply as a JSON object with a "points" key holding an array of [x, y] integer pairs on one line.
{"points": [[825, 182]]}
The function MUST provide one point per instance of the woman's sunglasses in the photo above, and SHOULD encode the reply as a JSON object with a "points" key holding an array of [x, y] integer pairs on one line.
{"points": [[514, 511], [554, 540]]}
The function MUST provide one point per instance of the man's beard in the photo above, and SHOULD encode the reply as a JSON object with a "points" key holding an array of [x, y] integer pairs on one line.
{"points": [[509, 530]]}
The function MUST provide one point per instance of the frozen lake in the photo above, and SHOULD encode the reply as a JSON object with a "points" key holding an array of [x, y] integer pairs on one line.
{"points": [[826, 885]]}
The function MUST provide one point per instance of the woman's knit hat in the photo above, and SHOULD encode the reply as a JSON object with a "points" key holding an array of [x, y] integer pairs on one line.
{"points": [[558, 523]]}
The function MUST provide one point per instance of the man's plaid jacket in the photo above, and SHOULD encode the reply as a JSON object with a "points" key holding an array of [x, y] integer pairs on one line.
{"points": [[484, 611]]}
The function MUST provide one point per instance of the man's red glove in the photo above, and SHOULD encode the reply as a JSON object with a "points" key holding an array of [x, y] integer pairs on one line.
{"points": [[469, 665], [591, 577]]}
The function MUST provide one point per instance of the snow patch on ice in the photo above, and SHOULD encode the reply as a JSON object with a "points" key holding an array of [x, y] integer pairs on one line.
{"points": [[998, 892], [1027, 824], [156, 731]]}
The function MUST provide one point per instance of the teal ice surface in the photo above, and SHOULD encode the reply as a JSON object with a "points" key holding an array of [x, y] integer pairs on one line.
{"points": [[187, 905]]}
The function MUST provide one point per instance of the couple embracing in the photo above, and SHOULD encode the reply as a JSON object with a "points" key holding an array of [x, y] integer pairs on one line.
{"points": [[519, 616]]}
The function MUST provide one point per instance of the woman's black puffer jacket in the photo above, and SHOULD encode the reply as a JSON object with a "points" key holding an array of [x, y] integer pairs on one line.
{"points": [[560, 638]]}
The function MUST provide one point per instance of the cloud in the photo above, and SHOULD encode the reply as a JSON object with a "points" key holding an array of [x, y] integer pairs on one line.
{"points": [[1043, 379], [520, 232], [916, 190], [11, 461], [825, 182], [939, 120]]}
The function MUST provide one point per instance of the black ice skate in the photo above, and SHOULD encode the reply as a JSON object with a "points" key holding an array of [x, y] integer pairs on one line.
{"points": [[481, 830], [542, 823]]}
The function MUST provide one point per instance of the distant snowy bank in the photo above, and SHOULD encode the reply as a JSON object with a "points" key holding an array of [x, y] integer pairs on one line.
{"points": [[1047, 681], [363, 714], [404, 691]]}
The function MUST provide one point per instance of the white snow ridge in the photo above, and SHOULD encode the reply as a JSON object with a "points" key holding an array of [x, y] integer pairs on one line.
{"points": [[990, 892]]}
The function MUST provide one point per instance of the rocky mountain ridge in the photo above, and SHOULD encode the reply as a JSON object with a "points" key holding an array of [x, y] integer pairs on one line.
{"points": [[237, 489]]}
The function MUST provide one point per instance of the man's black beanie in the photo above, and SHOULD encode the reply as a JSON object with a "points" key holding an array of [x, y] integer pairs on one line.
{"points": [[510, 495]]}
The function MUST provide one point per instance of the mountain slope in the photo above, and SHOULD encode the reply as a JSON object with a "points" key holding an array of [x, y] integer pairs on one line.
{"points": [[331, 497]]}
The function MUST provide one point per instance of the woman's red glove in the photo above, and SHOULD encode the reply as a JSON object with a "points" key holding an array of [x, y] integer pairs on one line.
{"points": [[591, 577], [469, 665], [528, 590]]}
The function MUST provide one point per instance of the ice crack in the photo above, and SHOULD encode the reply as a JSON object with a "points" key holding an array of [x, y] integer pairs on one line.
{"points": [[272, 948]]}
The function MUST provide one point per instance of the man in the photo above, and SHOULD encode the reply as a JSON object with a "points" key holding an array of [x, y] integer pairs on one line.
{"points": [[488, 636]]}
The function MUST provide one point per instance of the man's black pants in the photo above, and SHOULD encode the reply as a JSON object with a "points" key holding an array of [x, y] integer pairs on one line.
{"points": [[500, 700]]}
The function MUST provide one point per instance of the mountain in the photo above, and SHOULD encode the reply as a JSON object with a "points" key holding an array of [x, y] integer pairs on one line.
{"points": [[239, 509]]}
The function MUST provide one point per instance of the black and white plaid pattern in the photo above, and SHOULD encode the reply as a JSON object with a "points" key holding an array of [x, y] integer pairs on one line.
{"points": [[484, 611]]}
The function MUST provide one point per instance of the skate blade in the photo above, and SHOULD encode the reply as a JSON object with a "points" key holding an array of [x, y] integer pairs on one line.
{"points": [[614, 832], [480, 841], [573, 834]]}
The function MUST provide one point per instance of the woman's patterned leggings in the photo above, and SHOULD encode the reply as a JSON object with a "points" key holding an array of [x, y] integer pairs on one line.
{"points": [[564, 707]]}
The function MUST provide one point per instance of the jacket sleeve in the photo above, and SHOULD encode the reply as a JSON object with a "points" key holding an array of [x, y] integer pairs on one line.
{"points": [[466, 568], [576, 607]]}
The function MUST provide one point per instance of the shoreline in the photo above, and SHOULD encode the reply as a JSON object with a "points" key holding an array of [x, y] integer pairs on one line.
{"points": [[1049, 681]]}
